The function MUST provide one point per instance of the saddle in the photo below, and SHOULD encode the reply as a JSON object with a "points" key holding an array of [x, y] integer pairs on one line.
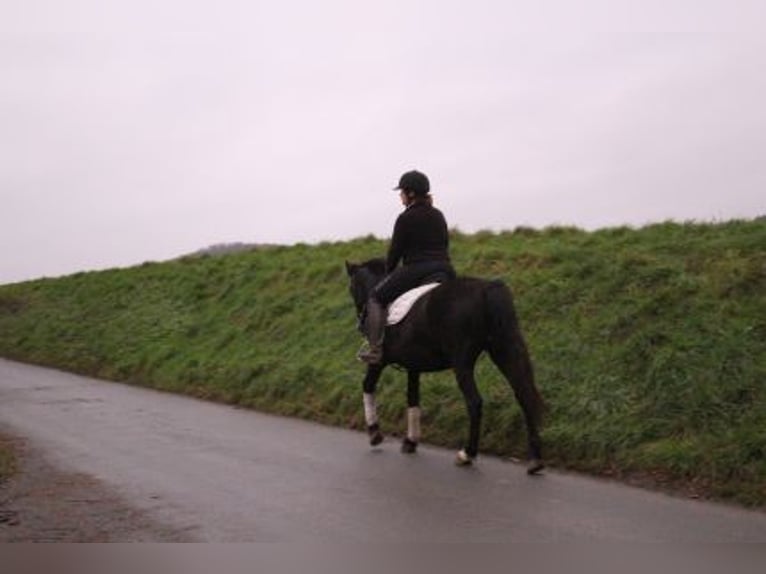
{"points": [[400, 306]]}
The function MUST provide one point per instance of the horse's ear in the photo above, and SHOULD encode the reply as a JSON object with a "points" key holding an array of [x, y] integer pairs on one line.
{"points": [[351, 268]]}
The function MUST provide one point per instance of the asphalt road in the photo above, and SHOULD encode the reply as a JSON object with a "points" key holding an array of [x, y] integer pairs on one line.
{"points": [[227, 474]]}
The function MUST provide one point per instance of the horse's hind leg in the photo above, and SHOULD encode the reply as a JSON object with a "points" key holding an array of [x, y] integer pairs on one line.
{"points": [[473, 402], [517, 368], [369, 387], [410, 442]]}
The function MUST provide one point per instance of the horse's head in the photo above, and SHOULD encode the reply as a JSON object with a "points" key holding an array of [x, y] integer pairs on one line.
{"points": [[362, 278]]}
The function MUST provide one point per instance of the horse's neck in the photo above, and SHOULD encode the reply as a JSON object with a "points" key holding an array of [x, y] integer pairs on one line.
{"points": [[372, 281]]}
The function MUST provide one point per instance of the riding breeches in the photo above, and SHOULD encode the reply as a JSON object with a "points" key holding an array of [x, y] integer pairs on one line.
{"points": [[408, 277]]}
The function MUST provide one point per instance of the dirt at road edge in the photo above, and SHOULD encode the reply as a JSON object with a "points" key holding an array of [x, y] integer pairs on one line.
{"points": [[42, 503]]}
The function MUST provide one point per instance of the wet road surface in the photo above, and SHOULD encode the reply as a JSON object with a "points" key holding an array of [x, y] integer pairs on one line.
{"points": [[227, 474]]}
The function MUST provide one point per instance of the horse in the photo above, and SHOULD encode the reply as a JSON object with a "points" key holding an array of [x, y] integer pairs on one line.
{"points": [[448, 328]]}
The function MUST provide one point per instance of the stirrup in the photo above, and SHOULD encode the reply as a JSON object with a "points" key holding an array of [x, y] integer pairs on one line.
{"points": [[370, 355]]}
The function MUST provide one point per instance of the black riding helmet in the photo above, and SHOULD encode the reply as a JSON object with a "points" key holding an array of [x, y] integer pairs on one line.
{"points": [[414, 181]]}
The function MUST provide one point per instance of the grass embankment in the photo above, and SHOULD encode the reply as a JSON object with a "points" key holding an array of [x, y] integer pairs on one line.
{"points": [[649, 344]]}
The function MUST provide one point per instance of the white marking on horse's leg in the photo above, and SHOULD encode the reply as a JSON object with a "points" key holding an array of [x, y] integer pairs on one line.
{"points": [[413, 424], [370, 409], [462, 458]]}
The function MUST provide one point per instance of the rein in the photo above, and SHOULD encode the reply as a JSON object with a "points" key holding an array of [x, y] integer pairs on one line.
{"points": [[360, 317]]}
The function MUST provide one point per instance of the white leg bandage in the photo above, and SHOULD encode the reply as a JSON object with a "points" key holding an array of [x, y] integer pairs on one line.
{"points": [[370, 409], [413, 424]]}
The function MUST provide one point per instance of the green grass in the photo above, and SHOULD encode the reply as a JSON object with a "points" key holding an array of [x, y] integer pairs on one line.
{"points": [[649, 344]]}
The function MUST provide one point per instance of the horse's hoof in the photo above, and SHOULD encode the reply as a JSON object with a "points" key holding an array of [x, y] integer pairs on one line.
{"points": [[376, 437], [409, 446], [535, 466], [462, 459]]}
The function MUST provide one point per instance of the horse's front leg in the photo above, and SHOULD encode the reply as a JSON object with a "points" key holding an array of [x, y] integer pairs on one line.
{"points": [[369, 387], [474, 404], [410, 442]]}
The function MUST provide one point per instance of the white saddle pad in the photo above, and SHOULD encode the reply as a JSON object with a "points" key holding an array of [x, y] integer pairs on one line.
{"points": [[399, 308]]}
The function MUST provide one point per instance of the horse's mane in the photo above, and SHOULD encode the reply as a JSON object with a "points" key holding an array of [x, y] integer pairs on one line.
{"points": [[376, 265]]}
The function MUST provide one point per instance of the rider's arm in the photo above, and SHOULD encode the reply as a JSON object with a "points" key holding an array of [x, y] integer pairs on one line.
{"points": [[396, 249]]}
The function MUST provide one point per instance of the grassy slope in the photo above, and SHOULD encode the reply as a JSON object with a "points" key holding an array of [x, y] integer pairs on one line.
{"points": [[649, 344]]}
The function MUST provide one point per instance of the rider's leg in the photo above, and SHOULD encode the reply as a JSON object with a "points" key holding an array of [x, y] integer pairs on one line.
{"points": [[393, 285], [400, 280], [375, 328]]}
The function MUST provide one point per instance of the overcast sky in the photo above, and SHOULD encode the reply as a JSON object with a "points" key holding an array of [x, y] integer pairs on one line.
{"points": [[146, 129]]}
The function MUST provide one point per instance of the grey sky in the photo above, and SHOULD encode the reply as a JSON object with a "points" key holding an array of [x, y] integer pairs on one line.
{"points": [[142, 130]]}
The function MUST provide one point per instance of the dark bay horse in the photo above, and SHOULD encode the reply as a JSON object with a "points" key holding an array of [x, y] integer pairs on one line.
{"points": [[448, 328]]}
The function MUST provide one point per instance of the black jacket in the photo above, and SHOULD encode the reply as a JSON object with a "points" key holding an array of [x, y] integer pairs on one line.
{"points": [[420, 234]]}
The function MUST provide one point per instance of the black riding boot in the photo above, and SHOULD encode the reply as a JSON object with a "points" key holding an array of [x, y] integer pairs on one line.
{"points": [[375, 327]]}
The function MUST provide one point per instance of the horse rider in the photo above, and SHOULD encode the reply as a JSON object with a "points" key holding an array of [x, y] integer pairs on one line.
{"points": [[421, 242]]}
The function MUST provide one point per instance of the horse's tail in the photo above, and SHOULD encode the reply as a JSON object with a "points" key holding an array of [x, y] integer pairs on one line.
{"points": [[508, 349]]}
